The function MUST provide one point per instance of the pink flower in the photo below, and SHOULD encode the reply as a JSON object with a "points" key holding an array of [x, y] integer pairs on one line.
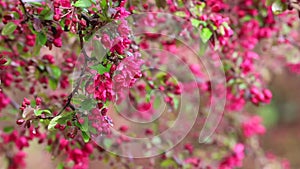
{"points": [[106, 41], [193, 160], [4, 101], [123, 29], [253, 127], [235, 159], [58, 42], [65, 3]]}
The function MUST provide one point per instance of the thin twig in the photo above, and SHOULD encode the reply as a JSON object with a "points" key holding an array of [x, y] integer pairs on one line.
{"points": [[86, 58], [12, 102], [26, 12]]}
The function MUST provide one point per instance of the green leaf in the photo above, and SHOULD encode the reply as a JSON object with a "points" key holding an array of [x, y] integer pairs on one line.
{"points": [[54, 122], [36, 49], [180, 14], [40, 112], [46, 14], [103, 5], [41, 38], [205, 34], [278, 7], [53, 83], [4, 49], [8, 129], [203, 48], [88, 104], [61, 119], [86, 136], [269, 2], [85, 125], [9, 28], [55, 71], [161, 3], [99, 51], [100, 68], [16, 15], [168, 163], [60, 166], [36, 4], [196, 23], [83, 3], [65, 117], [107, 142]]}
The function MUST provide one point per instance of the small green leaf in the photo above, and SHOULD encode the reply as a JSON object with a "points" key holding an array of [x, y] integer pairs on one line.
{"points": [[40, 112], [55, 71], [60, 166], [53, 83], [85, 125], [205, 34], [278, 7], [168, 163], [86, 136], [36, 49], [88, 104], [8, 129], [180, 14], [36, 4], [16, 15], [65, 118], [196, 23], [54, 122], [99, 51], [203, 48], [9, 28], [83, 3], [46, 14], [101, 69], [103, 5], [4, 49], [269, 2], [41, 38]]}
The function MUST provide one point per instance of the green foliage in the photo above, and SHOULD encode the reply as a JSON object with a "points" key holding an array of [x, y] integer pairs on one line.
{"points": [[9, 28], [60, 119], [84, 128], [196, 23], [168, 163], [55, 71], [205, 34], [8, 129], [83, 3], [41, 38], [98, 51], [101, 69], [88, 104], [54, 122], [40, 112]]}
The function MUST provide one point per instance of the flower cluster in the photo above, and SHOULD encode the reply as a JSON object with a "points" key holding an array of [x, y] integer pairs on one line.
{"points": [[68, 121]]}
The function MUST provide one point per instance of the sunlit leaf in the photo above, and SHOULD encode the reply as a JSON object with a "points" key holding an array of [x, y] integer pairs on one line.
{"points": [[9, 28], [205, 34]]}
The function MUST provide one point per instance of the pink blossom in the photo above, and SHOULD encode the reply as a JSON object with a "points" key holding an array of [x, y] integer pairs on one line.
{"points": [[123, 29], [253, 126]]}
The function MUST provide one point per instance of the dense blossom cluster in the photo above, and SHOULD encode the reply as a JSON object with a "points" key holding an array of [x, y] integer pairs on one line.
{"points": [[38, 54]]}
